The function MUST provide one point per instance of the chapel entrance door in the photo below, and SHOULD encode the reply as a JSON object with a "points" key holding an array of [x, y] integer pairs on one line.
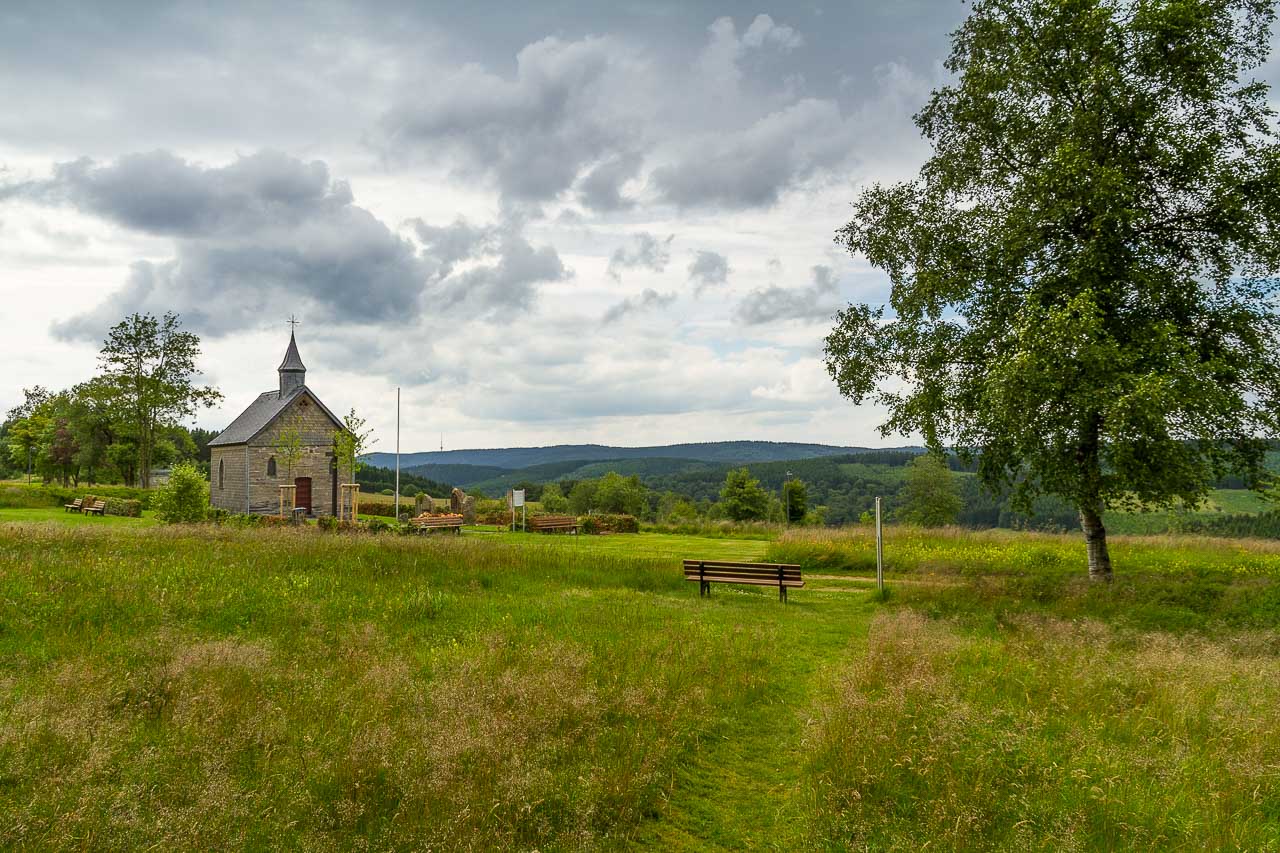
{"points": [[303, 496]]}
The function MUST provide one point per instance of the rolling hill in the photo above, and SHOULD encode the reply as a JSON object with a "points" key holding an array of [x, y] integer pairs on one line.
{"points": [[722, 452]]}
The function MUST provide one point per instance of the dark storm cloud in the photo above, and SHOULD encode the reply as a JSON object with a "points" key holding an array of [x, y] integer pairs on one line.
{"points": [[812, 303], [753, 167], [708, 269], [260, 234], [536, 133], [649, 299], [159, 193], [507, 284], [646, 252], [601, 188]]}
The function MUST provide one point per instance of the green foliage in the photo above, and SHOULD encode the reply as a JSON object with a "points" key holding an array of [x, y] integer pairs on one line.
{"points": [[608, 523], [582, 497], [122, 507], [931, 497], [742, 497], [185, 498], [620, 495], [1083, 273], [288, 447], [553, 500], [147, 370], [351, 443], [795, 500]]}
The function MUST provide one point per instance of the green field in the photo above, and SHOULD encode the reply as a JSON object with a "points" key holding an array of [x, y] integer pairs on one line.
{"points": [[74, 519], [211, 688]]}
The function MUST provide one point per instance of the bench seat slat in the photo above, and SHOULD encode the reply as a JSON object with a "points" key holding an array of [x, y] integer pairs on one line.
{"points": [[750, 582]]}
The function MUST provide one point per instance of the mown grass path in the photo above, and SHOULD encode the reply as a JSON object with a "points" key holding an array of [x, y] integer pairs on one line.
{"points": [[745, 785]]}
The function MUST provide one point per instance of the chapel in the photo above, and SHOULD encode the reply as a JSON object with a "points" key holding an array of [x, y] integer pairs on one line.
{"points": [[246, 465]]}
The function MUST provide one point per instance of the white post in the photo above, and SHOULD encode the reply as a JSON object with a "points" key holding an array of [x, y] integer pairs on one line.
{"points": [[879, 550], [397, 453]]}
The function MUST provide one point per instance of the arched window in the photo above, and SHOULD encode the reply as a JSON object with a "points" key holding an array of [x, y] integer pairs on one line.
{"points": [[221, 474], [271, 467]]}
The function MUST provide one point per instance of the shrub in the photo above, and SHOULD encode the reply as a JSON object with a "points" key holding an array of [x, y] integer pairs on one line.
{"points": [[122, 506], [185, 498], [617, 523], [589, 525], [377, 525], [327, 523]]}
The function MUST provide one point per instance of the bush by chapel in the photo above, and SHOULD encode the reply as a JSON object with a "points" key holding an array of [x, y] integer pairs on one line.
{"points": [[246, 466]]}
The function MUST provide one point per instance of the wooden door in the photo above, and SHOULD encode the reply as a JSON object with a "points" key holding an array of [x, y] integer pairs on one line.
{"points": [[303, 498]]}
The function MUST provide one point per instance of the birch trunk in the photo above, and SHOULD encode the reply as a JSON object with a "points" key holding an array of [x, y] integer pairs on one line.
{"points": [[1095, 537]]}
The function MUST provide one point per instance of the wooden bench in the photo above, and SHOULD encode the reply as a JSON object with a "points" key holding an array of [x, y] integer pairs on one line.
{"points": [[706, 572], [424, 523], [74, 506], [553, 524], [96, 508]]}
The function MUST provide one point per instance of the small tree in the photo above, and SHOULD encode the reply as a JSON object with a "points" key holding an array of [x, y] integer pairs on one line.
{"points": [[931, 494], [618, 494], [352, 442], [553, 500], [742, 497], [288, 447], [582, 497], [795, 500], [185, 498]]}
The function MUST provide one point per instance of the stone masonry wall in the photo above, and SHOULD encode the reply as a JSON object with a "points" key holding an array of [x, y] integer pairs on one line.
{"points": [[264, 490]]}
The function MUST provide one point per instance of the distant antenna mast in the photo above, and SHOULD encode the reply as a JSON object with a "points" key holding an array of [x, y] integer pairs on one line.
{"points": [[442, 442]]}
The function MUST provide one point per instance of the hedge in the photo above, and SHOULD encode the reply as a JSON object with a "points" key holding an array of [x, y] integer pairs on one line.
{"points": [[606, 523], [122, 506], [34, 497]]}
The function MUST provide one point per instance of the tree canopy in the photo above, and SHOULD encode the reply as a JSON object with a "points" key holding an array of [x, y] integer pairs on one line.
{"points": [[1083, 273]]}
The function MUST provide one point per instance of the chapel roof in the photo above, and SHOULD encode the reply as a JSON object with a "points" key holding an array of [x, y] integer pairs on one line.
{"points": [[261, 413]]}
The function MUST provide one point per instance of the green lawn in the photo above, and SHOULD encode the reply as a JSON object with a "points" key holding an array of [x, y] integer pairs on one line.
{"points": [[638, 545], [74, 519], [220, 688]]}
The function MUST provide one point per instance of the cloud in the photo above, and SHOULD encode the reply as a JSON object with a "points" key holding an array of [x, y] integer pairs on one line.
{"points": [[773, 303], [647, 252], [648, 300], [562, 114], [506, 284], [752, 168], [265, 234], [708, 269], [601, 188]]}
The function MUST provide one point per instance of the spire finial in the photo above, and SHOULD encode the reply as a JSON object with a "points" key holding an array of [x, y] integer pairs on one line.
{"points": [[294, 322]]}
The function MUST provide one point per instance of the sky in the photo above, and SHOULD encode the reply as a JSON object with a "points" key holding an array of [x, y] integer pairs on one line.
{"points": [[545, 223]]}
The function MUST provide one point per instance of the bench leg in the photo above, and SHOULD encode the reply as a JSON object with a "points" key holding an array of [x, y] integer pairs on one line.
{"points": [[704, 588], [782, 593]]}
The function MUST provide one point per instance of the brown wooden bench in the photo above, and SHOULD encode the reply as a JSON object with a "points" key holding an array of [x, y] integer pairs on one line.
{"points": [[74, 506], [96, 508], [424, 523], [553, 524], [706, 572]]}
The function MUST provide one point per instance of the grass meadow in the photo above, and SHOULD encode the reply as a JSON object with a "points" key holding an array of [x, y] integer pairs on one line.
{"points": [[283, 688]]}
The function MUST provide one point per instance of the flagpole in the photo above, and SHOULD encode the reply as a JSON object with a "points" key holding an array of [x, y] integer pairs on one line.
{"points": [[397, 453]]}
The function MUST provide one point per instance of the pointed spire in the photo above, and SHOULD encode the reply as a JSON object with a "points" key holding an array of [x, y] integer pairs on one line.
{"points": [[292, 361], [293, 373]]}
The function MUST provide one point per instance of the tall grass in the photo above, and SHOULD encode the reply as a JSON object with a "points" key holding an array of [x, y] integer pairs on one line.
{"points": [[1173, 583], [215, 688], [1049, 735]]}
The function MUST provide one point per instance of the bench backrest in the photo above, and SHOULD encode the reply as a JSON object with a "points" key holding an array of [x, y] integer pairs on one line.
{"points": [[720, 570], [552, 520]]}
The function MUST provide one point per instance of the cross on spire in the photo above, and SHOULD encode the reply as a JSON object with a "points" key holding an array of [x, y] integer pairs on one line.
{"points": [[293, 322]]}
